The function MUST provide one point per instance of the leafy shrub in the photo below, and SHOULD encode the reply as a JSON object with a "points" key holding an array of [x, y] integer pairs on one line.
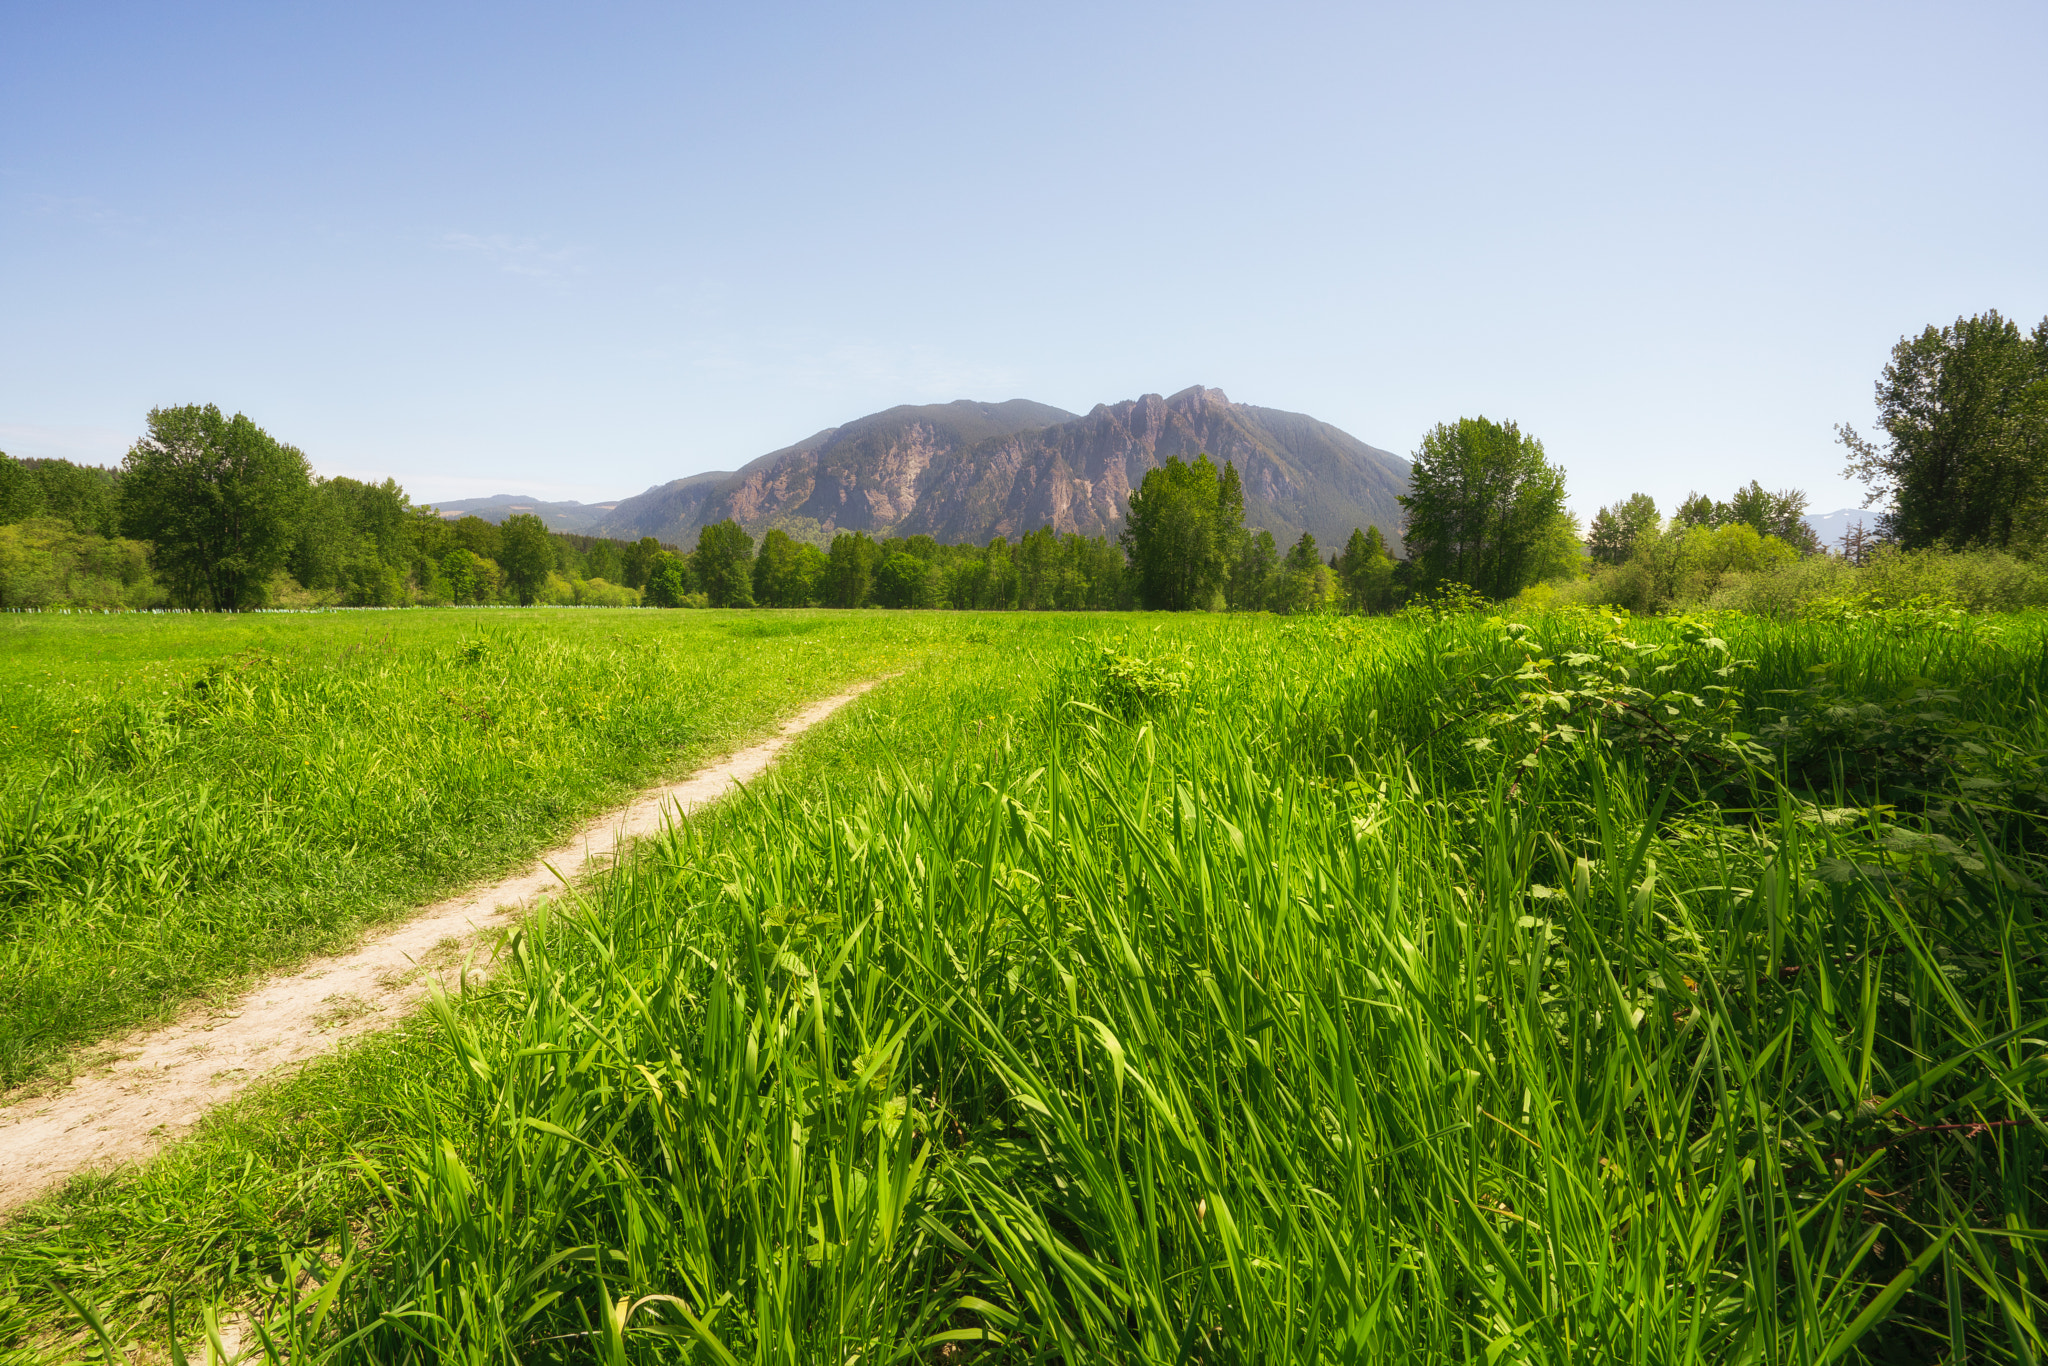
{"points": [[1974, 580], [1128, 685], [598, 593], [1594, 684], [45, 563], [1783, 589], [1445, 600]]}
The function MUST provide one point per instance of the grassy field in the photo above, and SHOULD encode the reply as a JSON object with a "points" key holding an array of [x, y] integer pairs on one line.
{"points": [[1217, 990], [188, 799]]}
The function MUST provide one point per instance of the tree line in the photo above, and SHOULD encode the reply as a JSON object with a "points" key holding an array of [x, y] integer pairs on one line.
{"points": [[211, 511]]}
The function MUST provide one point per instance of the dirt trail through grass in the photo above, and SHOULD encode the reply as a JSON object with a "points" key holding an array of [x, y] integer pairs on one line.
{"points": [[168, 1078]]}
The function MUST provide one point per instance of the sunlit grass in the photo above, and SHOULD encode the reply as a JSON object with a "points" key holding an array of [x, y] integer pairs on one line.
{"points": [[1233, 1008], [195, 798]]}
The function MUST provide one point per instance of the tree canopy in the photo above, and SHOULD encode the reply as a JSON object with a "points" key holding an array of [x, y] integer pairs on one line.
{"points": [[1964, 457], [1617, 527], [1485, 507], [1183, 532], [220, 498], [724, 562], [1366, 571], [525, 554], [1781, 515]]}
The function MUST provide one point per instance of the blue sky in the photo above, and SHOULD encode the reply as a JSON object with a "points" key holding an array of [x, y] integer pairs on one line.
{"points": [[579, 250]]}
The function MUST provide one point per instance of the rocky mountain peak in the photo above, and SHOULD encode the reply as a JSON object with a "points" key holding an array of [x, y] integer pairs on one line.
{"points": [[968, 471]]}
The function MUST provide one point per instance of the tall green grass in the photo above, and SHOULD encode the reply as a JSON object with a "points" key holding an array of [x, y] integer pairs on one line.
{"points": [[1215, 998], [186, 800]]}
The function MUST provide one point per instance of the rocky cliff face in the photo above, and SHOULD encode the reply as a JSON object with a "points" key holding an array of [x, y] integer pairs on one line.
{"points": [[968, 471]]}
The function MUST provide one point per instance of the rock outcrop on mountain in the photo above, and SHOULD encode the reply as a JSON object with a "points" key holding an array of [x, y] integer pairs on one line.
{"points": [[970, 471]]}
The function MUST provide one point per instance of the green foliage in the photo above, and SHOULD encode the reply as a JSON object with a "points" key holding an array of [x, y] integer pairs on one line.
{"points": [[20, 496], [1183, 527], [1366, 572], [668, 582], [723, 565], [1069, 573], [1304, 583], [850, 570], [1000, 1026], [1688, 565], [1445, 601], [639, 561], [468, 578], [1252, 573], [1964, 410], [1484, 507], [85, 497], [47, 564], [219, 498], [1731, 569], [1131, 685], [1617, 527], [904, 580], [988, 581], [787, 573], [355, 540], [525, 555], [1778, 516], [1609, 689]]}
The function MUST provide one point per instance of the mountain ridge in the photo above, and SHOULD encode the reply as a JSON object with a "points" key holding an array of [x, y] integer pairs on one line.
{"points": [[969, 471]]}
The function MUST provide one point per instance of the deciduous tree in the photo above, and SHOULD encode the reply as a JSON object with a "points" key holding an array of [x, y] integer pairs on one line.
{"points": [[850, 569], [1964, 456], [668, 581], [1367, 571], [1182, 532], [724, 564], [1250, 587], [786, 572], [903, 580], [1484, 507], [525, 554], [220, 498], [639, 560], [1616, 528]]}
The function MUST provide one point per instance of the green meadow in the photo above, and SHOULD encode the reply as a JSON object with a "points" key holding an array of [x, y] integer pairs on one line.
{"points": [[188, 799], [1441, 988]]}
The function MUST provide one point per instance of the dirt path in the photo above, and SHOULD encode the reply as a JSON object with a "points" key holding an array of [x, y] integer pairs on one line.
{"points": [[169, 1077]]}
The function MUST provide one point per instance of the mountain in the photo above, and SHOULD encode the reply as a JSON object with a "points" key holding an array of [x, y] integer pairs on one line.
{"points": [[572, 516], [968, 471], [1831, 526]]}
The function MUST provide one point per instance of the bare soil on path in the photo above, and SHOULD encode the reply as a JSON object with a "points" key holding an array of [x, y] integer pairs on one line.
{"points": [[168, 1078]]}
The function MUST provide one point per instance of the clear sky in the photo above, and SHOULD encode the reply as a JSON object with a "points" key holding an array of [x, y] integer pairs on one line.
{"points": [[577, 250]]}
